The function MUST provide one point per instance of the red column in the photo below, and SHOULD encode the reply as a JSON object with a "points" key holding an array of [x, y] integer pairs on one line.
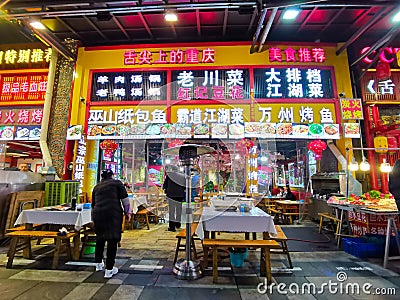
{"points": [[369, 138], [384, 176]]}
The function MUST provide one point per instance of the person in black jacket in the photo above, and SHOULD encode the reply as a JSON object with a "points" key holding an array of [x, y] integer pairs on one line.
{"points": [[107, 214], [174, 187], [394, 183], [289, 195]]}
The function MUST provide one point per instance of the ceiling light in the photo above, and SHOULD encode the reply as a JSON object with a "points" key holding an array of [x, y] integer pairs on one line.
{"points": [[364, 165], [385, 167], [290, 14], [37, 25], [396, 17], [171, 16], [353, 166]]}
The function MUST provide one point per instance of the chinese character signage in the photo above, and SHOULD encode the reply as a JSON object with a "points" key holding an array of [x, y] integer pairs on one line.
{"points": [[351, 109], [21, 116], [375, 90], [303, 55], [11, 58], [129, 86], [174, 56], [23, 87], [79, 166], [231, 84], [293, 83], [303, 113]]}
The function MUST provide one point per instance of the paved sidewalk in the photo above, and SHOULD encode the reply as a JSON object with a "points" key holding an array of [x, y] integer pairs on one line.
{"points": [[145, 272]]}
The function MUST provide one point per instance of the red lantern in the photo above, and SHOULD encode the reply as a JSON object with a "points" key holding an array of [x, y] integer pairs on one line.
{"points": [[383, 70], [108, 146], [392, 143], [244, 145], [317, 147]]}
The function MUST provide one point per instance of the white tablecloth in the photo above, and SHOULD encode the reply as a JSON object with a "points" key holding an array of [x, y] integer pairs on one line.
{"points": [[256, 220], [136, 201], [235, 201], [45, 216]]}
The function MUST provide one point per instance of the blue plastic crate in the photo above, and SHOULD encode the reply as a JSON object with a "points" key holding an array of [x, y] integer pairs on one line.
{"points": [[361, 248]]}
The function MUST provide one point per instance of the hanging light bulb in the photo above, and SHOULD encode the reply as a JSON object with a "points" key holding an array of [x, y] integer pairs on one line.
{"points": [[353, 165], [385, 167], [364, 165]]}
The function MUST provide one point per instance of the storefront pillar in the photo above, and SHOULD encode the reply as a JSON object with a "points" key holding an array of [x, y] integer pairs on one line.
{"points": [[369, 138], [384, 176]]}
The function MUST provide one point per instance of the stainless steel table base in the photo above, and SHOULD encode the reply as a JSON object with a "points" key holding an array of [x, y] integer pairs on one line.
{"points": [[187, 269]]}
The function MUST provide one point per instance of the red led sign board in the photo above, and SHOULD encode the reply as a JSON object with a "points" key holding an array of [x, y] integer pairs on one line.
{"points": [[30, 87]]}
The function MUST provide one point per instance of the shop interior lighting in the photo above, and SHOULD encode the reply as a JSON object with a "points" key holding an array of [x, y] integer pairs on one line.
{"points": [[364, 165], [237, 156], [385, 167], [37, 25], [290, 14], [396, 17], [353, 165], [171, 16], [264, 158], [167, 161]]}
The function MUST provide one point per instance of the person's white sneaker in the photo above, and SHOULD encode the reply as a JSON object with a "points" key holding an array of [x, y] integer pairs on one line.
{"points": [[110, 273], [100, 266]]}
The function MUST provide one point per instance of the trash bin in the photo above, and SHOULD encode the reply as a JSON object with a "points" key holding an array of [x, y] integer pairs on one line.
{"points": [[90, 248], [237, 256]]}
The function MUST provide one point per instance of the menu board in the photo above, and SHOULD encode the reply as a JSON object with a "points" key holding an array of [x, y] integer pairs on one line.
{"points": [[219, 131], [24, 133], [201, 130], [6, 133], [74, 132], [351, 130], [215, 130], [236, 131], [291, 130]]}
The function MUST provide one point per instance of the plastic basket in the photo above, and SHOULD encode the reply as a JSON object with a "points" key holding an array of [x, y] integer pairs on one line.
{"points": [[361, 248], [90, 248], [237, 259], [60, 192]]}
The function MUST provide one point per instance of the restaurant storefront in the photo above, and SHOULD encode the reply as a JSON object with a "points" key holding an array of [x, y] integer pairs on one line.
{"points": [[23, 83], [381, 97], [258, 111]]}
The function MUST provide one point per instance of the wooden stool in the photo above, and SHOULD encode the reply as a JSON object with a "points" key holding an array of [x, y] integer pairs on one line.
{"points": [[328, 216], [142, 216], [282, 240], [182, 235]]}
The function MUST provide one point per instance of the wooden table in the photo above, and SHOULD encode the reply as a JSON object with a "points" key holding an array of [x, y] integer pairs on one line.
{"points": [[44, 215], [289, 208], [256, 220]]}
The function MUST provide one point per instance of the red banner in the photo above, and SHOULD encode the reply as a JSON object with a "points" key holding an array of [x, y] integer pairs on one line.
{"points": [[30, 87]]}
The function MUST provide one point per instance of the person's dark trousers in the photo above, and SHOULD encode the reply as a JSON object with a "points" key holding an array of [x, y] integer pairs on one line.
{"points": [[175, 213], [112, 246]]}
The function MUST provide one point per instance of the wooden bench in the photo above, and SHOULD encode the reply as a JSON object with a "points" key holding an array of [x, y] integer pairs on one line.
{"points": [[265, 245], [182, 247], [22, 227], [142, 216], [27, 235], [328, 216], [282, 240]]}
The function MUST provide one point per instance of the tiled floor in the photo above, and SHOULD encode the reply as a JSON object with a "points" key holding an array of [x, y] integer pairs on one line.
{"points": [[145, 272]]}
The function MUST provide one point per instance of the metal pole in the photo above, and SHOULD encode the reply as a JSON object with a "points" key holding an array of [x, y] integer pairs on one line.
{"points": [[188, 212]]}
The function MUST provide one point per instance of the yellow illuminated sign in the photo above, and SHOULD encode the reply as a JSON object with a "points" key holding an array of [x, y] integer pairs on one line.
{"points": [[24, 56]]}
